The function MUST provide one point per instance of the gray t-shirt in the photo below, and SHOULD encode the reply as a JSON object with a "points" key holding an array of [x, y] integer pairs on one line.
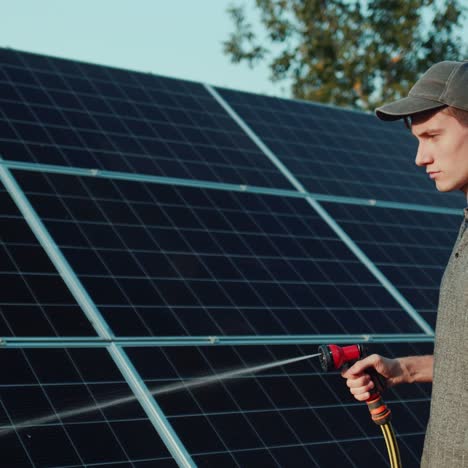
{"points": [[446, 443]]}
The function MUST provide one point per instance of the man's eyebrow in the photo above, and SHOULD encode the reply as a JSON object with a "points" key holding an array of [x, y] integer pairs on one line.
{"points": [[427, 132]]}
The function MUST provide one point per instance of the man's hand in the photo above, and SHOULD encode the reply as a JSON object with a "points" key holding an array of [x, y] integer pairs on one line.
{"points": [[394, 372]]}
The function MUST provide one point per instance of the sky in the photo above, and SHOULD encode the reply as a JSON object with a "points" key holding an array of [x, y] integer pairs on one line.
{"points": [[176, 38]]}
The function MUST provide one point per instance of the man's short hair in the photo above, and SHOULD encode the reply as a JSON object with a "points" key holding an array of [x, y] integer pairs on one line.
{"points": [[459, 114]]}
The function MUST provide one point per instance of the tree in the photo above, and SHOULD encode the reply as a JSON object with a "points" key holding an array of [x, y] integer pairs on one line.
{"points": [[353, 53]]}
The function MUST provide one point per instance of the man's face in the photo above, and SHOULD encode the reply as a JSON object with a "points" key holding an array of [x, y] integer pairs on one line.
{"points": [[443, 150]]}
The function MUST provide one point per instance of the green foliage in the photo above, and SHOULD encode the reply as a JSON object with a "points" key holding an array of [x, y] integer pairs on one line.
{"points": [[353, 53]]}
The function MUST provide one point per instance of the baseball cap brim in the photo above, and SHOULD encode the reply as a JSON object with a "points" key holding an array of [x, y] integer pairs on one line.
{"points": [[407, 106]]}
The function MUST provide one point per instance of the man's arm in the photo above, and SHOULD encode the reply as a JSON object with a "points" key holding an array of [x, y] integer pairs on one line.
{"points": [[397, 371]]}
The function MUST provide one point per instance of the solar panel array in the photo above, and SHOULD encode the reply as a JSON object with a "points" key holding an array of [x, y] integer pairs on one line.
{"points": [[156, 231], [334, 152]]}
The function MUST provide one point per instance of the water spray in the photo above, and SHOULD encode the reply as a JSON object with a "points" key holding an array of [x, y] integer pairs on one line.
{"points": [[156, 391], [332, 357]]}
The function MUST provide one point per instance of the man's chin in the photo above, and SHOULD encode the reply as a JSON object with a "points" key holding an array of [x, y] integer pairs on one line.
{"points": [[444, 188], [441, 187]]}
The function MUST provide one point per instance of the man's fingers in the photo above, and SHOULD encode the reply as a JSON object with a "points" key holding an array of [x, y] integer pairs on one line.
{"points": [[360, 366], [358, 380], [360, 387], [361, 396], [364, 381]]}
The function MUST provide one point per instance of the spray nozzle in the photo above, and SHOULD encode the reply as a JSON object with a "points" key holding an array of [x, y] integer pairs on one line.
{"points": [[333, 357]]}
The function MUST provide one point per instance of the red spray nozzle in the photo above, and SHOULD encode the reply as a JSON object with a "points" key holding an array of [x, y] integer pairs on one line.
{"points": [[333, 357]]}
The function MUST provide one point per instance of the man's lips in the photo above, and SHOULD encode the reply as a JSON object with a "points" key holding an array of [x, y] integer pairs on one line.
{"points": [[433, 174]]}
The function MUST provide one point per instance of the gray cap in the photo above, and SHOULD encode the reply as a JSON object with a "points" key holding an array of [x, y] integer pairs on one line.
{"points": [[444, 84]]}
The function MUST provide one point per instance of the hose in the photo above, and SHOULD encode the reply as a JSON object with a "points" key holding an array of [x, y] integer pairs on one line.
{"points": [[392, 446], [381, 415]]}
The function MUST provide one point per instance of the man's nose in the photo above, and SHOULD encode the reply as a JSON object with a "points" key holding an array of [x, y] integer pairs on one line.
{"points": [[423, 156]]}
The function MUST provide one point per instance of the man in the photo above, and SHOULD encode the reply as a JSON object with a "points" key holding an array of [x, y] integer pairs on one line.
{"points": [[436, 111]]}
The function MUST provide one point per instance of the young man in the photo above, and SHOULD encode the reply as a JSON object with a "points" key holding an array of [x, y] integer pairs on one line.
{"points": [[436, 111]]}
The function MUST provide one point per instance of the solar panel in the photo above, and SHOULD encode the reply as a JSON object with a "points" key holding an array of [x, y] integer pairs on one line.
{"points": [[410, 247], [55, 411], [167, 260], [286, 416], [34, 298], [338, 152], [209, 267], [74, 114]]}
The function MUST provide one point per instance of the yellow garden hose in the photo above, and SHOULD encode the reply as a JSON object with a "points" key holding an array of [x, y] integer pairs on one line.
{"points": [[392, 446], [381, 415]]}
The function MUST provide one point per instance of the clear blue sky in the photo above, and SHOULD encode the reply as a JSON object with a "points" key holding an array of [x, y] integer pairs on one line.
{"points": [[177, 38]]}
